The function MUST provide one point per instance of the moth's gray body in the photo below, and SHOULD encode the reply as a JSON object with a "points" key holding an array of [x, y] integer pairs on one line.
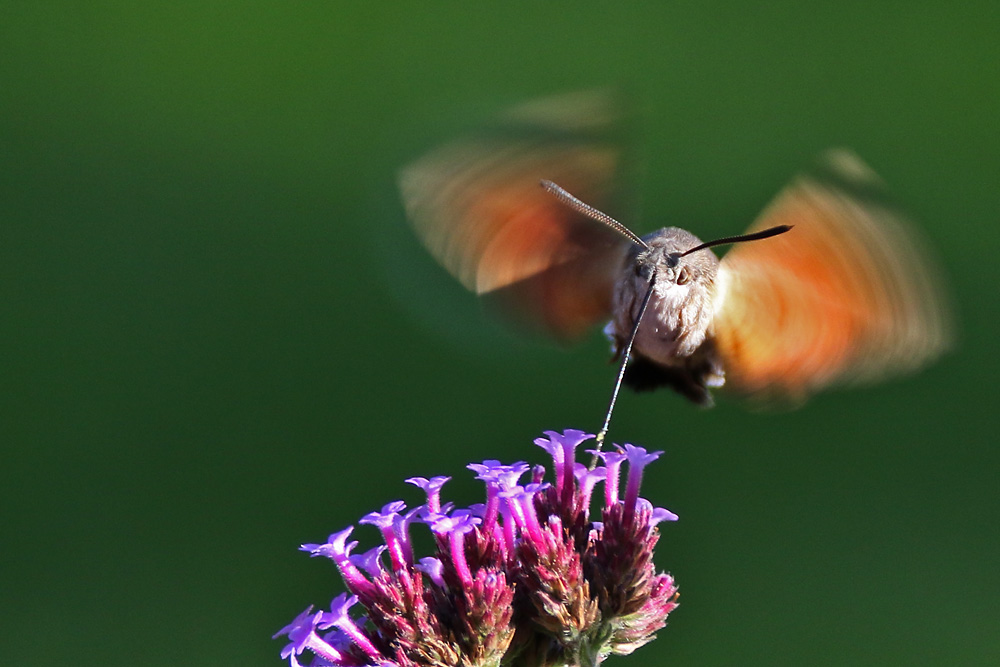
{"points": [[673, 345]]}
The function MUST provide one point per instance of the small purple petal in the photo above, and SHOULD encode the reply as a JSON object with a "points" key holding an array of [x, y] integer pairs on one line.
{"points": [[336, 547], [339, 551], [521, 506], [587, 479], [386, 521], [509, 525], [428, 517], [302, 633], [384, 518], [304, 619], [661, 514], [341, 642], [638, 458], [654, 514], [461, 522], [455, 527], [401, 527], [433, 568], [613, 463], [432, 487], [537, 474], [370, 560], [327, 550], [552, 447], [485, 469], [339, 616], [340, 608], [497, 476], [492, 471], [562, 448]]}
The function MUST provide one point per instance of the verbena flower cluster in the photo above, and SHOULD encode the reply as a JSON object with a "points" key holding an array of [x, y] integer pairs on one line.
{"points": [[524, 579]]}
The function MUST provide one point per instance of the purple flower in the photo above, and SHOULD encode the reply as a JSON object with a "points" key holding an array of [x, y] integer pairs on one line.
{"points": [[340, 618], [302, 633], [527, 578], [433, 568], [370, 561], [453, 528], [638, 458], [393, 528], [432, 487], [339, 550]]}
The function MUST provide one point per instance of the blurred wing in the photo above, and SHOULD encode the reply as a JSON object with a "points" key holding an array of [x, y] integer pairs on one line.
{"points": [[846, 295], [478, 206]]}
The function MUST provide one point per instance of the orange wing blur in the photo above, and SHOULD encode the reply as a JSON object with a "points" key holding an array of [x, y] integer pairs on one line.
{"points": [[478, 206], [845, 295]]}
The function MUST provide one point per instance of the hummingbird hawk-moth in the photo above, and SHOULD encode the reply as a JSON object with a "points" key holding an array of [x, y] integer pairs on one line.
{"points": [[840, 292]]}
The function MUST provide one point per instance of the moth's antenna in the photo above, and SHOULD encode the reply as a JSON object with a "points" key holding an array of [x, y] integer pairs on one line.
{"points": [[626, 353], [755, 236], [592, 212]]}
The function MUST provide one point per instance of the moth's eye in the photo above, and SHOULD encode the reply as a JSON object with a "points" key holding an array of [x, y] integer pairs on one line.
{"points": [[684, 276]]}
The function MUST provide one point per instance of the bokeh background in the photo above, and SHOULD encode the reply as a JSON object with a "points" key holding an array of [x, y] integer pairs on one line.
{"points": [[220, 339]]}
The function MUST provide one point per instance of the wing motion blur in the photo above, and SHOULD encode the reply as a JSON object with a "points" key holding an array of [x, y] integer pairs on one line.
{"points": [[478, 207], [847, 295]]}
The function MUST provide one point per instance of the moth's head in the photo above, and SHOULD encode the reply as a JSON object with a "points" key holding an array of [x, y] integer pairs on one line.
{"points": [[665, 252], [680, 307]]}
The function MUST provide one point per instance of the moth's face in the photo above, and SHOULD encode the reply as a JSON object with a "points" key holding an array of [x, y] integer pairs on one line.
{"points": [[680, 309], [690, 272]]}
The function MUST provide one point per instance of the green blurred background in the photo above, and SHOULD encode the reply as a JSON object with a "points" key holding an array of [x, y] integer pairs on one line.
{"points": [[221, 340]]}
